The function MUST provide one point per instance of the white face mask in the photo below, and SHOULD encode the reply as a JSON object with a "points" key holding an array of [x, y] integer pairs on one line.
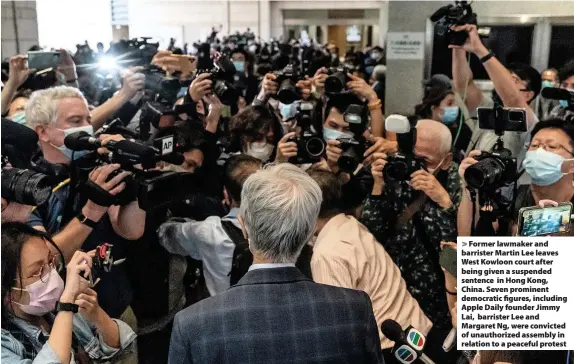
{"points": [[67, 151], [260, 150]]}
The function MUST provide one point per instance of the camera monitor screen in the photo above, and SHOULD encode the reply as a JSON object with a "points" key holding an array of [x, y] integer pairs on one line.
{"points": [[538, 221]]}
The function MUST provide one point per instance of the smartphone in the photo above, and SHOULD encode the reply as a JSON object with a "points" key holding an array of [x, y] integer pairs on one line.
{"points": [[515, 118], [447, 259], [537, 221], [41, 60]]}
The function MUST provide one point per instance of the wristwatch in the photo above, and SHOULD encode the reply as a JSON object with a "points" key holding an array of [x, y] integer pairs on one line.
{"points": [[487, 57], [65, 306], [84, 220]]}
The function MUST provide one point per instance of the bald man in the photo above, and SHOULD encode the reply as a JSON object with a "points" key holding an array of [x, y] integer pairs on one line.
{"points": [[410, 218]]}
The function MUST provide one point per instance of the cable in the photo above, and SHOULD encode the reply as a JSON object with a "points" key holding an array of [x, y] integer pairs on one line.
{"points": [[60, 185]]}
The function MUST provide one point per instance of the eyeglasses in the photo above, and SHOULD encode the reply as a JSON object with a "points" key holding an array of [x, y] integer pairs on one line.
{"points": [[549, 147], [44, 272]]}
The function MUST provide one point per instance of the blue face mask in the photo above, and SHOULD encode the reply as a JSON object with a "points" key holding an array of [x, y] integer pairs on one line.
{"points": [[19, 118], [286, 111], [547, 84], [545, 168], [450, 115], [564, 103], [369, 70], [239, 66], [332, 134], [67, 151]]}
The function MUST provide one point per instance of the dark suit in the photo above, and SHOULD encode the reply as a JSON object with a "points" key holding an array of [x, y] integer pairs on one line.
{"points": [[277, 315]]}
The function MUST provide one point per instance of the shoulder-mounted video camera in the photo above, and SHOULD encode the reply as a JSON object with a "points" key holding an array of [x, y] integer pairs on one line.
{"points": [[450, 15]]}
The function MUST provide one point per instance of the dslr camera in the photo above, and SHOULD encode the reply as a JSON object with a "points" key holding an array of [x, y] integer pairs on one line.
{"points": [[353, 147], [222, 78], [287, 80], [449, 15], [164, 87], [310, 145], [402, 164], [493, 170], [337, 80]]}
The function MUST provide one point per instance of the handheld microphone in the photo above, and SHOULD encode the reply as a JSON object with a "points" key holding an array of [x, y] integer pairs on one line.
{"points": [[409, 344]]}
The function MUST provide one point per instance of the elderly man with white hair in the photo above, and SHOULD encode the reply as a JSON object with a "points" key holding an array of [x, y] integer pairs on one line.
{"points": [[410, 218], [74, 222], [274, 314]]}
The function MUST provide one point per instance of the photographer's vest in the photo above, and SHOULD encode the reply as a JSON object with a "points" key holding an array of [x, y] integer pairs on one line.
{"points": [[242, 257]]}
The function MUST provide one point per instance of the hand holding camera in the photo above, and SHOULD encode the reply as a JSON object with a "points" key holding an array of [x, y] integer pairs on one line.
{"points": [[319, 79], [334, 152], [473, 44], [380, 160], [78, 273], [361, 88], [200, 87], [467, 162], [269, 84], [132, 83], [286, 148], [380, 146], [304, 87], [425, 181], [106, 179]]}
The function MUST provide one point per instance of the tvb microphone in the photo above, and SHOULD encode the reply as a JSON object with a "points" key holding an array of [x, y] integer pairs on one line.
{"points": [[409, 344]]}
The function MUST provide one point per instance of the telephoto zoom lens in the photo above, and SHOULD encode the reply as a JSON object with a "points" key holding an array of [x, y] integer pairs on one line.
{"points": [[487, 172], [287, 93], [25, 187]]}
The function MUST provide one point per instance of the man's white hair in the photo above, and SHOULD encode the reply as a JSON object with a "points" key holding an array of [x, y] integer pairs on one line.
{"points": [[42, 108], [436, 131], [280, 205]]}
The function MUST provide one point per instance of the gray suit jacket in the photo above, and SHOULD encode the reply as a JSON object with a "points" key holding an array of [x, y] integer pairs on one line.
{"points": [[277, 315]]}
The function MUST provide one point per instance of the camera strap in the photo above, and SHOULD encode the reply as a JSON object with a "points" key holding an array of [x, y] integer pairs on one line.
{"points": [[97, 195]]}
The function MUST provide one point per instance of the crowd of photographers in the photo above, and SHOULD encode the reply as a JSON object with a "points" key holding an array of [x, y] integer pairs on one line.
{"points": [[124, 169]]}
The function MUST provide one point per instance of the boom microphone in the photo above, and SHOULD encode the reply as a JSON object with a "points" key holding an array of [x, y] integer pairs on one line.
{"points": [[409, 344]]}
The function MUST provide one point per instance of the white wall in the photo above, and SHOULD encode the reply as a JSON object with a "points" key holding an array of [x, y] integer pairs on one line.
{"points": [[26, 25]]}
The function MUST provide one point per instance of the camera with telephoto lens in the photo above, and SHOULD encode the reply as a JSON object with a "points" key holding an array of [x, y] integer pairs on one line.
{"points": [[222, 78], [453, 15], [353, 147], [287, 79], [402, 164], [493, 170], [337, 80], [310, 145], [25, 186]]}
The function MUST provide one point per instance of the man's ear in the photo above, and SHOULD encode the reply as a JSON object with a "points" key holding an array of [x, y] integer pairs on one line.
{"points": [[447, 162], [242, 223], [42, 132], [530, 96]]}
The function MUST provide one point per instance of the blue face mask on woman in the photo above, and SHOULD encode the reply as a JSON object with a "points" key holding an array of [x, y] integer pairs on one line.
{"points": [[450, 115], [545, 168]]}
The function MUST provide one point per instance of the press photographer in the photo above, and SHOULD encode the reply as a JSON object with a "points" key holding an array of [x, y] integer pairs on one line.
{"points": [[515, 86], [547, 162], [55, 113], [412, 209]]}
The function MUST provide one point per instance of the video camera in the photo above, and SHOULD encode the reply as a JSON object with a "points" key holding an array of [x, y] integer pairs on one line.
{"points": [[165, 88], [152, 188], [402, 164], [353, 147], [310, 145], [287, 80], [337, 80], [222, 78], [450, 15]]}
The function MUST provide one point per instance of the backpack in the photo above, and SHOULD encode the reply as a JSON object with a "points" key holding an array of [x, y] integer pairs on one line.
{"points": [[242, 257]]}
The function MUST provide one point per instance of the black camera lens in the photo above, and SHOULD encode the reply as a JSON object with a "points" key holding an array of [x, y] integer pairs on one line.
{"points": [[25, 187], [315, 146], [335, 83], [225, 91], [287, 93], [349, 160], [487, 172], [397, 171]]}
